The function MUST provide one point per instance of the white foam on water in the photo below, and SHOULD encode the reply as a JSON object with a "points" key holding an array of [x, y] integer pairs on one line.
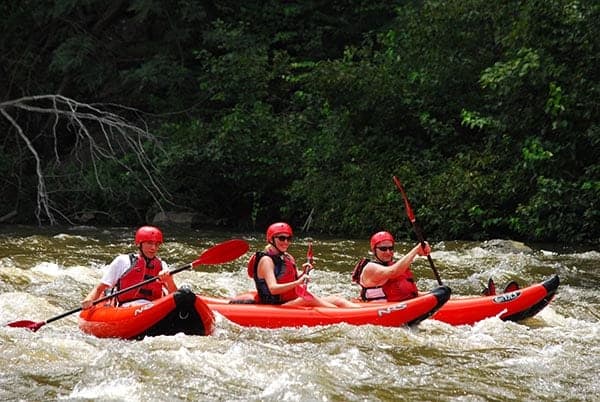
{"points": [[120, 389]]}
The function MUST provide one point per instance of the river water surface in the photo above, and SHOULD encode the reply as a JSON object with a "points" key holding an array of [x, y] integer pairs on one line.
{"points": [[551, 357]]}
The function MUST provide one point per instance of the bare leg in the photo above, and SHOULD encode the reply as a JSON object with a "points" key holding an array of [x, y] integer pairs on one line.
{"points": [[341, 302], [315, 302]]}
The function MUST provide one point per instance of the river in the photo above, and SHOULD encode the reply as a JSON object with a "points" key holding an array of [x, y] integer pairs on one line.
{"points": [[553, 356]]}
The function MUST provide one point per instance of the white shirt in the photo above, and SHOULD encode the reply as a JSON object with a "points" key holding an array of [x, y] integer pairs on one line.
{"points": [[117, 268]]}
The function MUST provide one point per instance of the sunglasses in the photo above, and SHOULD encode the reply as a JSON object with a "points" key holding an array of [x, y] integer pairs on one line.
{"points": [[390, 248], [284, 238]]}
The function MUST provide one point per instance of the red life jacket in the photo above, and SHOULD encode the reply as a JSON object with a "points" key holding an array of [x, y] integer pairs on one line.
{"points": [[397, 289], [138, 272], [285, 272]]}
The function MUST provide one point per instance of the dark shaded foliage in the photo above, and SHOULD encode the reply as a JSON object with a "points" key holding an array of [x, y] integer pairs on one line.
{"points": [[487, 111]]}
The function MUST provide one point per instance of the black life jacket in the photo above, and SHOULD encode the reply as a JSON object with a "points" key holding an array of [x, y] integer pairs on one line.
{"points": [[285, 272]]}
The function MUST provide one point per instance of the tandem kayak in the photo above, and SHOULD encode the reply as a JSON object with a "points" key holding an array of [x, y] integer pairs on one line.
{"points": [[244, 311], [514, 305], [181, 311]]}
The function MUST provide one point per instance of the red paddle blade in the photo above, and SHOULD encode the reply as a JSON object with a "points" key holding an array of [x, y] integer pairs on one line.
{"points": [[309, 253], [302, 292], [34, 326], [223, 252], [409, 211]]}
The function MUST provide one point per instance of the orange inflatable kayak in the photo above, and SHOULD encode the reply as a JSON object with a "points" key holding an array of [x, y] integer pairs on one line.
{"points": [[180, 311], [513, 305], [244, 311]]}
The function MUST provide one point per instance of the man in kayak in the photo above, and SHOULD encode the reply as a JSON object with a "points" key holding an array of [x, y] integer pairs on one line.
{"points": [[129, 269], [276, 276], [385, 279]]}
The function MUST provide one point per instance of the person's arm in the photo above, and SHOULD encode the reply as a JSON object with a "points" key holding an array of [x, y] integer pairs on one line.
{"points": [[376, 274], [94, 294], [110, 277], [266, 271], [167, 279]]}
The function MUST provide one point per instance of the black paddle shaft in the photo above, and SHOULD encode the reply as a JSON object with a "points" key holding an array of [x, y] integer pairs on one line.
{"points": [[100, 300], [416, 227]]}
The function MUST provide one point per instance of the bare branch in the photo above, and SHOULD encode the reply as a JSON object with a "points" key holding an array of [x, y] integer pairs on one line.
{"points": [[112, 137], [8, 215]]}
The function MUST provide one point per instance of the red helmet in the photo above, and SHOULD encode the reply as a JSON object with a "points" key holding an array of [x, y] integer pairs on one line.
{"points": [[148, 233], [379, 237], [277, 228]]}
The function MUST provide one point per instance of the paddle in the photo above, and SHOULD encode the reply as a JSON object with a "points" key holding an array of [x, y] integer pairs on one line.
{"points": [[302, 290], [220, 253], [416, 227]]}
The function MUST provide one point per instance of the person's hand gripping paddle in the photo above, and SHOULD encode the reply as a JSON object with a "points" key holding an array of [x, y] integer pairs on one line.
{"points": [[302, 290], [416, 227]]}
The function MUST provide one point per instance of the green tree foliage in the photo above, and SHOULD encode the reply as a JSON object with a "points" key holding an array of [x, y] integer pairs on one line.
{"points": [[487, 111]]}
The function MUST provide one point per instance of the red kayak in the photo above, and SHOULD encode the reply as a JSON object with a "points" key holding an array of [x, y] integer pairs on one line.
{"points": [[181, 311], [244, 311], [512, 305]]}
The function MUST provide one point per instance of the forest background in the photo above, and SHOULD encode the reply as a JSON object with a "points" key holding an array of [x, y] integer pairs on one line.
{"points": [[244, 113]]}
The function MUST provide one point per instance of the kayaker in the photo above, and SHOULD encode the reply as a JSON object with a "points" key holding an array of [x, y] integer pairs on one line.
{"points": [[385, 279], [276, 276], [129, 269]]}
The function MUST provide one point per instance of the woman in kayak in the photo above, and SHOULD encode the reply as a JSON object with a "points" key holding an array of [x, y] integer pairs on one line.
{"points": [[276, 276], [385, 279], [129, 269]]}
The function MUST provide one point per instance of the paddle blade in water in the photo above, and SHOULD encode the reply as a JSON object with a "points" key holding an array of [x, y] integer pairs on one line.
{"points": [[34, 326], [223, 252]]}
